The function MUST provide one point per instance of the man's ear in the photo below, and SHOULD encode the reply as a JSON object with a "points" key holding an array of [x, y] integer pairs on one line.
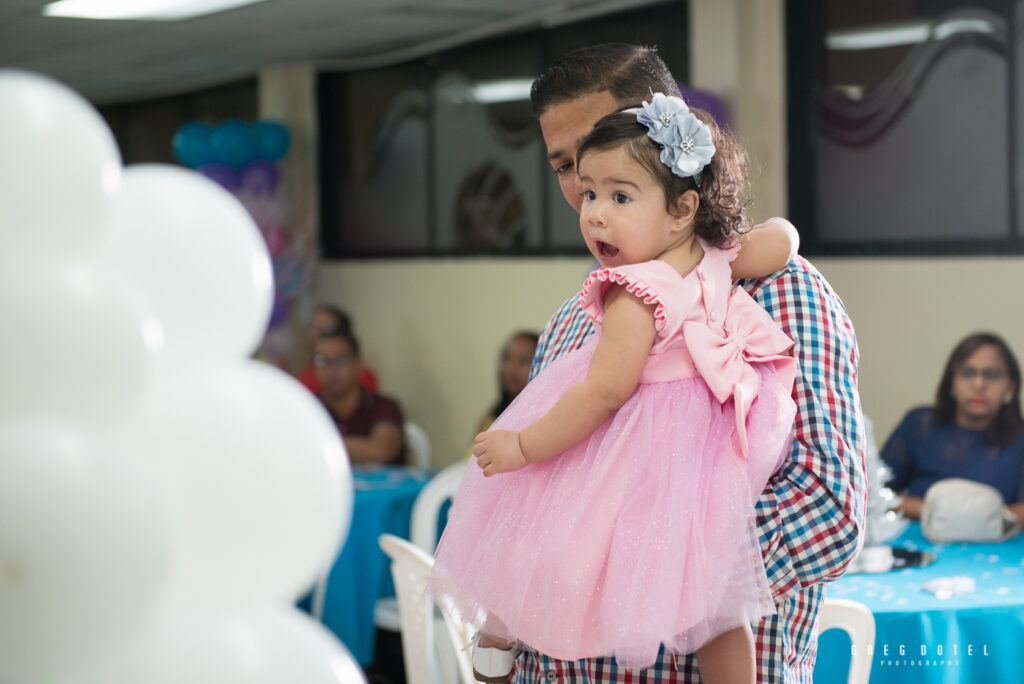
{"points": [[685, 209]]}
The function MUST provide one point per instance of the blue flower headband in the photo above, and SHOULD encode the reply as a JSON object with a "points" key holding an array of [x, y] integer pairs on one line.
{"points": [[685, 140]]}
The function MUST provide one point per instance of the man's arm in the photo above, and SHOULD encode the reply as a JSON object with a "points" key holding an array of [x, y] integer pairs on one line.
{"points": [[811, 515], [385, 441], [382, 445]]}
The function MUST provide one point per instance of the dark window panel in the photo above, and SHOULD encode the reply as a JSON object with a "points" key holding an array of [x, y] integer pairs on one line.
{"points": [[427, 158], [145, 128], [489, 196], [375, 183], [902, 120]]}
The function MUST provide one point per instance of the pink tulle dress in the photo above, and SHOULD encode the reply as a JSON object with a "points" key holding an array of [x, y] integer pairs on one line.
{"points": [[642, 534]]}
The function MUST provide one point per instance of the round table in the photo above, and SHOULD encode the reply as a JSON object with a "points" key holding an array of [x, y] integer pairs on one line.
{"points": [[361, 573], [923, 639]]}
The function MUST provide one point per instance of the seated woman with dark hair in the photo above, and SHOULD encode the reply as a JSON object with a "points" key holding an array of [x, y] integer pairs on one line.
{"points": [[370, 424], [513, 373], [974, 431]]}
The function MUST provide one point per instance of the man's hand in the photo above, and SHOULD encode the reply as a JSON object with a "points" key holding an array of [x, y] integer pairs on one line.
{"points": [[497, 451]]}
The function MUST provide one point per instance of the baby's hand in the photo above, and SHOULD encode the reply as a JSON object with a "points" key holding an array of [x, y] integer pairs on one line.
{"points": [[497, 451]]}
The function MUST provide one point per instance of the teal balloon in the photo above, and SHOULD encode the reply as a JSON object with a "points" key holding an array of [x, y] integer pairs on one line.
{"points": [[233, 144], [191, 144], [272, 140]]}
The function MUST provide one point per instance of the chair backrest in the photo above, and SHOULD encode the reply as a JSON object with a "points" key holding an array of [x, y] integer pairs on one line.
{"points": [[417, 445], [427, 508], [410, 568], [856, 620]]}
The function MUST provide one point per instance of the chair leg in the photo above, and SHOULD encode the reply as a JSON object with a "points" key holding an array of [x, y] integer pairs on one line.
{"points": [[316, 607]]}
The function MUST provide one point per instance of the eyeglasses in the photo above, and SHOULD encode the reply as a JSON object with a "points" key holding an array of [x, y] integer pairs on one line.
{"points": [[987, 374], [332, 361]]}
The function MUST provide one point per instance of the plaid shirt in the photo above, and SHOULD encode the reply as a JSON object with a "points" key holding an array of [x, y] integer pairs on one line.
{"points": [[810, 515]]}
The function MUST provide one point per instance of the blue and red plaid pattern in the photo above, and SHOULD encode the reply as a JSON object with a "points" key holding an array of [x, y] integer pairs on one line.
{"points": [[564, 332], [811, 514]]}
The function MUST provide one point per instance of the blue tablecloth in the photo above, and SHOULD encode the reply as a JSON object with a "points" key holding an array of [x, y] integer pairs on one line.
{"points": [[361, 574], [976, 637]]}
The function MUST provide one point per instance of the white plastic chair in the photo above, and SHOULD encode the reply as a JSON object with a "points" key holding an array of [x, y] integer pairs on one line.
{"points": [[386, 610], [410, 568], [426, 511], [417, 445], [856, 620]]}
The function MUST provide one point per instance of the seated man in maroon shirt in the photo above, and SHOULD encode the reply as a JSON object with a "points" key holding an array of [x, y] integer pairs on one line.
{"points": [[370, 424], [328, 318]]}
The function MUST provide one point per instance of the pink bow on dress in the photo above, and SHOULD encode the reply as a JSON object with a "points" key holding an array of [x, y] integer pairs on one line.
{"points": [[750, 336]]}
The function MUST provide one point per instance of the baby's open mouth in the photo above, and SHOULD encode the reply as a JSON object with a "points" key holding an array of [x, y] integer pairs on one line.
{"points": [[606, 250]]}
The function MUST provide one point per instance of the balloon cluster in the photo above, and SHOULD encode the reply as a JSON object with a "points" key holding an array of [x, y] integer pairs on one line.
{"points": [[241, 157], [221, 151], [164, 499]]}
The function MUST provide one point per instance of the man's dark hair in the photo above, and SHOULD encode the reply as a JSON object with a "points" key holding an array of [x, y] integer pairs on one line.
{"points": [[629, 72], [342, 334], [341, 319]]}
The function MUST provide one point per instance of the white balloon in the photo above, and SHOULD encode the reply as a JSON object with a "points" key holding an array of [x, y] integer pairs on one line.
{"points": [[59, 169], [257, 480], [84, 549], [197, 254], [254, 644], [75, 342]]}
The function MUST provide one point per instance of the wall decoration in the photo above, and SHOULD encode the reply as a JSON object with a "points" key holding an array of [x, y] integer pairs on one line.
{"points": [[243, 158]]}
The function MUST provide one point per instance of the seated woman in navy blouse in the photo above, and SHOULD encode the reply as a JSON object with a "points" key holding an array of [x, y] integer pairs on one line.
{"points": [[974, 431]]}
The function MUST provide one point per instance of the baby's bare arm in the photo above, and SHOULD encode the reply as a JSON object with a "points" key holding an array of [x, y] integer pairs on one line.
{"points": [[768, 247], [626, 338]]}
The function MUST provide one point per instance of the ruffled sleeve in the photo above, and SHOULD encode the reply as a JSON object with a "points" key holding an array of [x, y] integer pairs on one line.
{"points": [[731, 249], [636, 282]]}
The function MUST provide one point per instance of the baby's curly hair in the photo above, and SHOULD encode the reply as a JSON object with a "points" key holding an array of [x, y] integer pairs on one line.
{"points": [[722, 211]]}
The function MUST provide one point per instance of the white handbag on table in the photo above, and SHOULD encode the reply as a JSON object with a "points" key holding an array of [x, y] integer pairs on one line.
{"points": [[959, 510]]}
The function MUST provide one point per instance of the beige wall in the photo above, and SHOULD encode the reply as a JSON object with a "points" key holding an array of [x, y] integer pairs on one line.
{"points": [[432, 327]]}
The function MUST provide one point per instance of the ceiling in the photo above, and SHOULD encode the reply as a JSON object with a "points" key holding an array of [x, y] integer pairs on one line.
{"points": [[110, 61]]}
